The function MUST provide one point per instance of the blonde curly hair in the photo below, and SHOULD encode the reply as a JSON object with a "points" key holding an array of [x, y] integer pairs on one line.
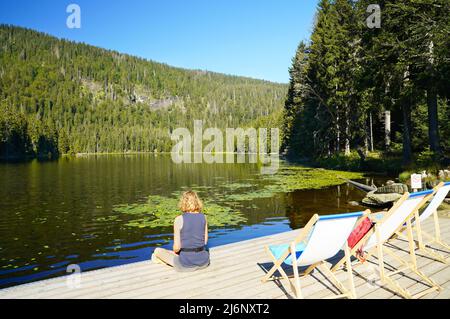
{"points": [[190, 203]]}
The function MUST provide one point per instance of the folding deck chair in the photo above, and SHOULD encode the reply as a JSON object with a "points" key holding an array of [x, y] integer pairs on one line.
{"points": [[441, 192], [322, 238], [402, 212]]}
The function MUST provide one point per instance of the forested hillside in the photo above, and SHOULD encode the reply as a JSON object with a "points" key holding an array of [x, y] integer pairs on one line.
{"points": [[356, 89], [60, 97]]}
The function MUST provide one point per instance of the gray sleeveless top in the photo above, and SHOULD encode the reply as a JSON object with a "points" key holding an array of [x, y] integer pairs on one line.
{"points": [[193, 236]]}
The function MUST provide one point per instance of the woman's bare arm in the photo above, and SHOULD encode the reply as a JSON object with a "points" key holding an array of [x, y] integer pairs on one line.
{"points": [[206, 231], [177, 225]]}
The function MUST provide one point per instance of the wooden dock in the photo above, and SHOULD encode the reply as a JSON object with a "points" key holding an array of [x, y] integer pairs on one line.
{"points": [[235, 273]]}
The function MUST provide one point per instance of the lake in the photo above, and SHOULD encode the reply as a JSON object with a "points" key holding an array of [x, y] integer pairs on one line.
{"points": [[92, 211]]}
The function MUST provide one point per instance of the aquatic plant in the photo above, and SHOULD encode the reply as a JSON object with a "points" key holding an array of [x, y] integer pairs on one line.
{"points": [[160, 211], [291, 178], [236, 186], [224, 200]]}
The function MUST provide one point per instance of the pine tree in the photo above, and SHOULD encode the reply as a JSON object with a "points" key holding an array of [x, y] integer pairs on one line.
{"points": [[293, 110]]}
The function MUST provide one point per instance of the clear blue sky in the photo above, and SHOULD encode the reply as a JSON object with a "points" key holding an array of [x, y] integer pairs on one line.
{"points": [[255, 38]]}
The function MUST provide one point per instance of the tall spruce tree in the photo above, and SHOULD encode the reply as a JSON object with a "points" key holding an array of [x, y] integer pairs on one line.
{"points": [[293, 123], [323, 82]]}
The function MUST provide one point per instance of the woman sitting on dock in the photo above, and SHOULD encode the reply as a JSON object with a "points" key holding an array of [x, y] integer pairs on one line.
{"points": [[190, 237]]}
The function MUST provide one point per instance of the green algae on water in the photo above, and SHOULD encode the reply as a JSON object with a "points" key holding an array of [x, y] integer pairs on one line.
{"points": [[289, 179], [229, 198], [160, 211]]}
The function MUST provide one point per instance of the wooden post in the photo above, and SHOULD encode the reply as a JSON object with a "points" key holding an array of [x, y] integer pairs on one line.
{"points": [[298, 292], [412, 250], [349, 271], [437, 230], [380, 252]]}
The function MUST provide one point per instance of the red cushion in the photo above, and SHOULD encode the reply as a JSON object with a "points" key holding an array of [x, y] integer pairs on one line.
{"points": [[359, 232]]}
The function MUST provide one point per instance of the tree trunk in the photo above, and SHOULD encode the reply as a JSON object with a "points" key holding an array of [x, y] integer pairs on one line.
{"points": [[338, 132], [407, 152], [387, 129], [366, 145], [371, 132], [347, 132], [433, 121]]}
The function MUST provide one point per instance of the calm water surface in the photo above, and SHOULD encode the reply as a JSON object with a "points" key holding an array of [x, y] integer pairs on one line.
{"points": [[50, 212]]}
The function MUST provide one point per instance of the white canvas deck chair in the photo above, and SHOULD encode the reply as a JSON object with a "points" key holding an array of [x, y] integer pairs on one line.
{"points": [[441, 192], [400, 214], [322, 238]]}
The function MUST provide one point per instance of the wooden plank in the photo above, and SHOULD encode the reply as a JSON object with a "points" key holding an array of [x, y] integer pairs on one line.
{"points": [[93, 278], [234, 273], [220, 263]]}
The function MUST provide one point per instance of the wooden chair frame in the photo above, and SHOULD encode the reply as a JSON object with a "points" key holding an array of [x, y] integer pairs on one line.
{"points": [[295, 286], [380, 249], [421, 245], [363, 240]]}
